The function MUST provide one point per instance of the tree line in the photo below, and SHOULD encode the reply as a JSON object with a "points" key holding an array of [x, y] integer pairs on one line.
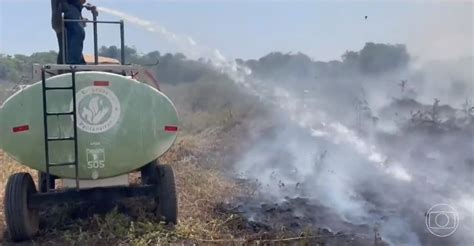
{"points": [[176, 68]]}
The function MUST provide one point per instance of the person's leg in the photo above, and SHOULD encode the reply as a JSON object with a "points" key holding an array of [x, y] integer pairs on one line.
{"points": [[75, 38], [76, 35], [59, 60]]}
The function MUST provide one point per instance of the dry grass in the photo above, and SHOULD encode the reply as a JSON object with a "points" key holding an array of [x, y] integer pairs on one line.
{"points": [[200, 191]]}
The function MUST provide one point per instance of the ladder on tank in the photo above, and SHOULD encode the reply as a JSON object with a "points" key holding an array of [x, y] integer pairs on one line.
{"points": [[73, 69], [46, 115]]}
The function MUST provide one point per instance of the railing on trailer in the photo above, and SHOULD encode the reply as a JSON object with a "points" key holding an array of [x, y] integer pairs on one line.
{"points": [[96, 47]]}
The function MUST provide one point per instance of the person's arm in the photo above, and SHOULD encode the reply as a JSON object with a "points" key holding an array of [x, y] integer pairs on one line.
{"points": [[91, 8], [64, 5]]}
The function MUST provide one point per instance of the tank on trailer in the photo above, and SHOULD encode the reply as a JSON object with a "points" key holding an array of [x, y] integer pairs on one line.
{"points": [[90, 126], [122, 125]]}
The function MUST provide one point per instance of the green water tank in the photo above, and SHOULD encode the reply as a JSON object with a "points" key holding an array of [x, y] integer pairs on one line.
{"points": [[122, 125]]}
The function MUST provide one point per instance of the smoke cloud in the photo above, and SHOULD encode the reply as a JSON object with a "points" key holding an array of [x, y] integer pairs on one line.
{"points": [[362, 144]]}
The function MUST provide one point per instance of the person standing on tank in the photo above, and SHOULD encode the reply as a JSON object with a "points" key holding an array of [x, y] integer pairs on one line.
{"points": [[75, 33], [57, 7]]}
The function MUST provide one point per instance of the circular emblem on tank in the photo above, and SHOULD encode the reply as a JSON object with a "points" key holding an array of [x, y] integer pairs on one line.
{"points": [[98, 109]]}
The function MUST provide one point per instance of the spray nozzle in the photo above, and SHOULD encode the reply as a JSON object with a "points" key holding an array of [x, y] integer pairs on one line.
{"points": [[92, 8]]}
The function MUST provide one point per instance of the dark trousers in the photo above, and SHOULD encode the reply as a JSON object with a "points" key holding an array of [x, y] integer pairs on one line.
{"points": [[75, 36], [59, 60]]}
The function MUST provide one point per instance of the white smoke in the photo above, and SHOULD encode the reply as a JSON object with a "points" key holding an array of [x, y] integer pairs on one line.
{"points": [[333, 181], [329, 162]]}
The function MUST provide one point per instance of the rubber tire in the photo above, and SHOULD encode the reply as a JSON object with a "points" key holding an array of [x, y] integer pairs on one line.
{"points": [[149, 173], [42, 181], [167, 202], [22, 222]]}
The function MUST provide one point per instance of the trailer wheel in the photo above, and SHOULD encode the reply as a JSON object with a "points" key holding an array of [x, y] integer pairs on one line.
{"points": [[149, 173], [22, 222], [42, 181], [166, 198]]}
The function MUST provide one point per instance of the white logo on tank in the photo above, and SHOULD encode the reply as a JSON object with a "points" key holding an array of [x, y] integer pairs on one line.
{"points": [[98, 109]]}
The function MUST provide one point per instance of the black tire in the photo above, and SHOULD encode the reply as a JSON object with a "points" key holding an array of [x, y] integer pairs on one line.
{"points": [[167, 202], [42, 181], [165, 194], [22, 222], [149, 173]]}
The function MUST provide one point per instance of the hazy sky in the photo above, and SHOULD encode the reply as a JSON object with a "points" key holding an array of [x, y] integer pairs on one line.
{"points": [[251, 29]]}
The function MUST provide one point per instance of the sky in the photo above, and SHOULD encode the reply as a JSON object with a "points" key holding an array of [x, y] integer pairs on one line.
{"points": [[324, 30]]}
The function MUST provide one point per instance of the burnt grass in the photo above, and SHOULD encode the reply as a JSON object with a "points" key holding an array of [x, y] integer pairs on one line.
{"points": [[213, 210], [301, 219], [272, 224]]}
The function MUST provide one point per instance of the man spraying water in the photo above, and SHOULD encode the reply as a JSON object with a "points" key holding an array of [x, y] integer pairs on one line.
{"points": [[74, 30]]}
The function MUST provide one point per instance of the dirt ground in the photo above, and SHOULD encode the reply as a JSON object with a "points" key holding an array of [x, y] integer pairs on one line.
{"points": [[208, 210]]}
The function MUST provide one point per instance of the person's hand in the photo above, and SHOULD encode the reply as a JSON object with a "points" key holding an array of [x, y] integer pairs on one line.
{"points": [[83, 24], [91, 8]]}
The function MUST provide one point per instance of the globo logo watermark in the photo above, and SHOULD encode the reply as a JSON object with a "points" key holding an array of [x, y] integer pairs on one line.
{"points": [[442, 220]]}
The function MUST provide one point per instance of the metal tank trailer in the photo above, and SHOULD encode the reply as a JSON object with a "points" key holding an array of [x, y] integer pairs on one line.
{"points": [[88, 126]]}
